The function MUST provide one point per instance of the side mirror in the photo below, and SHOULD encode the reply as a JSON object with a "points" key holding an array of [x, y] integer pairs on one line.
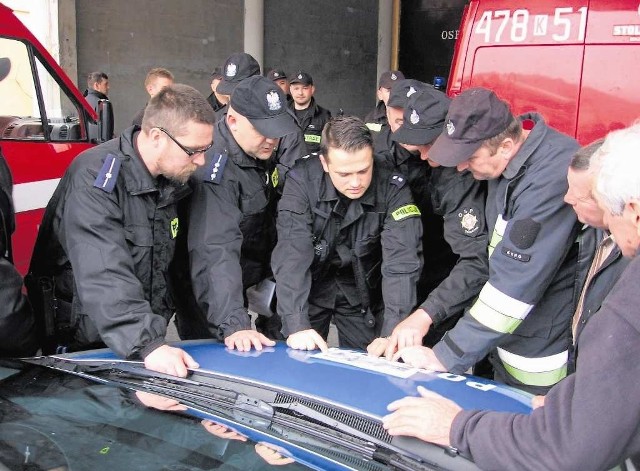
{"points": [[105, 120]]}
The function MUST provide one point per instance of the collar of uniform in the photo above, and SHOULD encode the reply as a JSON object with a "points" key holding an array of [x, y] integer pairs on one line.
{"points": [[224, 140], [137, 178], [100, 95], [531, 143]]}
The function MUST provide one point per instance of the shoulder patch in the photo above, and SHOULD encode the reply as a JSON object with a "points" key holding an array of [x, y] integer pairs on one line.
{"points": [[407, 211], [398, 180], [108, 175], [216, 168]]}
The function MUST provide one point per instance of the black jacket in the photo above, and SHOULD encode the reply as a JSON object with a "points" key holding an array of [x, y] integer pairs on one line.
{"points": [[116, 225], [377, 117], [313, 120], [323, 237], [94, 96], [231, 231]]}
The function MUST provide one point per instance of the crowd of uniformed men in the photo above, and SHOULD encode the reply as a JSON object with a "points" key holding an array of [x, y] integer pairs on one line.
{"points": [[441, 232]]}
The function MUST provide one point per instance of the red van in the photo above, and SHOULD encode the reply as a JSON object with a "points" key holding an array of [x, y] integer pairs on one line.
{"points": [[577, 62], [44, 123]]}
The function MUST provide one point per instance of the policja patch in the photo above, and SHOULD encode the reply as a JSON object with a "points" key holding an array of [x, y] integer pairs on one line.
{"points": [[407, 211], [469, 221], [106, 179]]}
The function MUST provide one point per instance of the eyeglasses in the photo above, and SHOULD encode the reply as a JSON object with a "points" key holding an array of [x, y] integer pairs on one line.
{"points": [[189, 152]]}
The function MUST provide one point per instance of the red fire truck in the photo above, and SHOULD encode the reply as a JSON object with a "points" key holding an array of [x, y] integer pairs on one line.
{"points": [[44, 123], [577, 62]]}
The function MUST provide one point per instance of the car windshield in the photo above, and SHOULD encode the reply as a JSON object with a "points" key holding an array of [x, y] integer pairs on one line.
{"points": [[53, 421]]}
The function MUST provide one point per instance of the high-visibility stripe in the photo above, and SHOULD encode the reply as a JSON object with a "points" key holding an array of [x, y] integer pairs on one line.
{"points": [[498, 311], [375, 127], [542, 371], [498, 233], [33, 195]]}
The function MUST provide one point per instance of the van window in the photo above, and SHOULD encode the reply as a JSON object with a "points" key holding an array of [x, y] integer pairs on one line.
{"points": [[22, 112]]}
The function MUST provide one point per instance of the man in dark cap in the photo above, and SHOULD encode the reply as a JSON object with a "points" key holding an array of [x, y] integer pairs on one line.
{"points": [[232, 218], [455, 203], [236, 68], [311, 116], [279, 77], [216, 100], [522, 314], [377, 118]]}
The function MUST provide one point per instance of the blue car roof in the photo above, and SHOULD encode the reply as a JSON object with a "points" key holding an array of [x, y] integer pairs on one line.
{"points": [[345, 378]]}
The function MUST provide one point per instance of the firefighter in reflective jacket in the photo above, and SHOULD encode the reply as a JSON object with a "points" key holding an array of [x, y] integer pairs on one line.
{"points": [[523, 311], [348, 243]]}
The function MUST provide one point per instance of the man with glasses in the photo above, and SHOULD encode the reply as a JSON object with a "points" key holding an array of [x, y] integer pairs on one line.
{"points": [[108, 234], [232, 217]]}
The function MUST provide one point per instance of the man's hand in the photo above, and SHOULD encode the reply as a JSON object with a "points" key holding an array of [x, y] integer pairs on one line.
{"points": [[420, 357], [159, 402], [271, 456], [378, 346], [409, 332], [222, 431], [307, 340], [170, 360], [243, 340], [428, 417]]}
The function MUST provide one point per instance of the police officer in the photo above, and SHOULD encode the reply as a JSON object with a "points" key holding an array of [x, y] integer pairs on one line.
{"points": [[348, 243], [439, 258], [311, 116], [523, 311], [232, 228], [114, 224], [456, 201], [237, 67], [376, 119], [17, 329]]}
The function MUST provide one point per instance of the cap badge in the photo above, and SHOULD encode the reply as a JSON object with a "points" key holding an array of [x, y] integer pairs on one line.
{"points": [[273, 100], [414, 118], [450, 128], [411, 91], [232, 69], [299, 76], [394, 77], [276, 74]]}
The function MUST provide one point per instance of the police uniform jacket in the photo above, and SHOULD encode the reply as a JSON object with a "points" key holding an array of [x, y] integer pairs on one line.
{"points": [[584, 424], [377, 235], [231, 231], [312, 123], [439, 259], [525, 307], [117, 225], [600, 285], [376, 119]]}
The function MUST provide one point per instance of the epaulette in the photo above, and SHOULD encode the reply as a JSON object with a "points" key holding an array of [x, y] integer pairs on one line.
{"points": [[216, 168], [106, 179], [398, 180]]}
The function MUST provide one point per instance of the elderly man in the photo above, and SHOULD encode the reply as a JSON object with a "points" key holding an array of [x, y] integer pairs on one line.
{"points": [[580, 427]]}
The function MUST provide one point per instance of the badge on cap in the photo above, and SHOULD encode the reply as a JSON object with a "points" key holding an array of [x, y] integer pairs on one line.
{"points": [[450, 128], [411, 91], [394, 77], [276, 74], [299, 76], [273, 100], [414, 118], [232, 69]]}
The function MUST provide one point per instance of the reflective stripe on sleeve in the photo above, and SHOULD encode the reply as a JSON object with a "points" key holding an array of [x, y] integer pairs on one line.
{"points": [[497, 311], [542, 371], [498, 233]]}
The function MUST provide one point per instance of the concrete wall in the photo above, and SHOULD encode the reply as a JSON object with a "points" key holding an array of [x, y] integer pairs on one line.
{"points": [[336, 41], [125, 39]]}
